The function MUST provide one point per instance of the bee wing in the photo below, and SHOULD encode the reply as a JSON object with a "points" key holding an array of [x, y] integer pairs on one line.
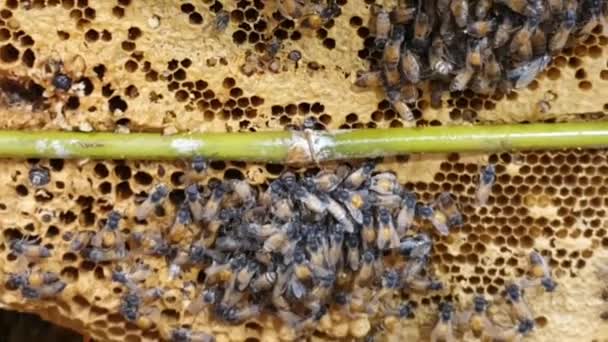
{"points": [[441, 227]]}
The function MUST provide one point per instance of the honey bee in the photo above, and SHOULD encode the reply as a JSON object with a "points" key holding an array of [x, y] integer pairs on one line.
{"points": [[482, 28], [482, 9], [354, 180], [447, 204], [438, 219], [137, 274], [503, 32], [392, 49], [394, 97], [410, 66], [487, 178], [155, 199], [222, 19], [291, 9], [193, 199], [109, 236], [352, 251], [521, 43], [416, 247], [460, 11], [385, 183], [187, 335], [244, 191], [369, 79], [513, 334], [151, 243], [263, 281], [595, 13], [519, 308], [43, 291], [312, 21], [309, 200], [339, 213], [477, 319], [29, 250], [560, 37], [354, 201], [81, 240], [540, 273], [403, 311], [406, 214], [401, 14], [422, 29], [366, 268], [368, 232], [98, 255], [439, 59], [326, 181], [387, 235], [383, 26], [462, 78], [212, 206], [528, 8], [179, 229], [443, 330]]}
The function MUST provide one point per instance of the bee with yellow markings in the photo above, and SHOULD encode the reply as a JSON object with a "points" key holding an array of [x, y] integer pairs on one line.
{"points": [[356, 178], [387, 235], [35, 284], [385, 183], [443, 330], [137, 274], [109, 236], [366, 268], [503, 32], [483, 8], [539, 273], [521, 43], [184, 334], [326, 181], [392, 49], [518, 307], [460, 11], [338, 212], [291, 9], [369, 79], [382, 25], [368, 231], [354, 201], [462, 78], [156, 198], [416, 247], [180, 228], [401, 14], [353, 253], [560, 36], [30, 251], [404, 111], [447, 204], [282, 209], [522, 75], [212, 207], [405, 216], [481, 28], [193, 199], [528, 8], [422, 29], [514, 334], [477, 319], [149, 243], [487, 178], [410, 66], [392, 76], [81, 240], [439, 59], [310, 201], [263, 281], [437, 218], [243, 191]]}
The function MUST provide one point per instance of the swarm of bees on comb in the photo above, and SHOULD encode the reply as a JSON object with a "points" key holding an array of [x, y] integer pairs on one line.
{"points": [[350, 241], [486, 46]]}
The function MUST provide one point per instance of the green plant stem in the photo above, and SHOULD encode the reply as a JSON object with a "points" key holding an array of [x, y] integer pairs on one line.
{"points": [[303, 147]]}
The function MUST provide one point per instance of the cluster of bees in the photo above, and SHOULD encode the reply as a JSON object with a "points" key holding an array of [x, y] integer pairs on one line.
{"points": [[346, 240], [483, 45]]}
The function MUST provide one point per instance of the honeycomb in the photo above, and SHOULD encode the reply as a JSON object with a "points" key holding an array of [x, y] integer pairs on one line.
{"points": [[550, 201]]}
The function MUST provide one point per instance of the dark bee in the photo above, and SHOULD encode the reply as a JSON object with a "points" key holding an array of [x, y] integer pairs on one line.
{"points": [[222, 19], [487, 178], [187, 335], [30, 250]]}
